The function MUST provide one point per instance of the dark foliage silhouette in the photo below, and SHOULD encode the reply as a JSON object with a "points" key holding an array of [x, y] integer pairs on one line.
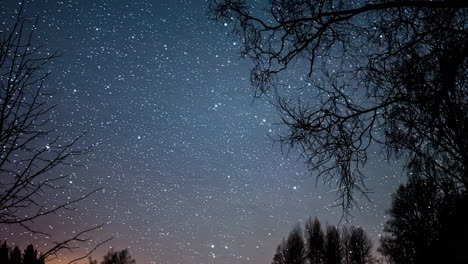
{"points": [[346, 245], [118, 257], [295, 247], [360, 247], [279, 257], [426, 225], [333, 250], [14, 256], [30, 256], [414, 222], [4, 253], [352, 246], [315, 241], [390, 74]]}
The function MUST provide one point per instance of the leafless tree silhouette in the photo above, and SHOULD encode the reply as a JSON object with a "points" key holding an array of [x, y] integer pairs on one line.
{"points": [[389, 74], [30, 152]]}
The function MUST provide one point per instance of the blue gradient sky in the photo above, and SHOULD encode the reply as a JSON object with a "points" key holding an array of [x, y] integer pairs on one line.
{"points": [[189, 172]]}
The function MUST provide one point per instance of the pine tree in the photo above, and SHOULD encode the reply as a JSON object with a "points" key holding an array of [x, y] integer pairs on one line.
{"points": [[4, 258], [15, 256], [30, 255]]}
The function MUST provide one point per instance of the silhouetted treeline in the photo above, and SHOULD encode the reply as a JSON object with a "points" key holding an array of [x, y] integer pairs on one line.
{"points": [[427, 225], [332, 246], [30, 255], [115, 257], [14, 255]]}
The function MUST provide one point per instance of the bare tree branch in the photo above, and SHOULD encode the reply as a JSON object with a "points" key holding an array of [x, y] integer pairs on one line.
{"points": [[390, 75], [31, 153]]}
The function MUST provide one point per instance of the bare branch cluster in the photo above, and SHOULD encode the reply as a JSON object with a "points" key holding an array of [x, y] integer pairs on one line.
{"points": [[30, 152], [390, 74]]}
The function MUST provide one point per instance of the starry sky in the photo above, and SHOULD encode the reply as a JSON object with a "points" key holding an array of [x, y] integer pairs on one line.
{"points": [[184, 155]]}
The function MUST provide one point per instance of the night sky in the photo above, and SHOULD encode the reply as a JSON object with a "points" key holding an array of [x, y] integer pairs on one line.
{"points": [[184, 155]]}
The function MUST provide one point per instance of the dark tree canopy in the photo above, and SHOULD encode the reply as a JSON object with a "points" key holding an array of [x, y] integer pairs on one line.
{"points": [[30, 256], [4, 253], [295, 247], [315, 241], [118, 257], [360, 247], [346, 245], [390, 74], [279, 257], [356, 246], [352, 246], [15, 256], [414, 219], [333, 250], [425, 225]]}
